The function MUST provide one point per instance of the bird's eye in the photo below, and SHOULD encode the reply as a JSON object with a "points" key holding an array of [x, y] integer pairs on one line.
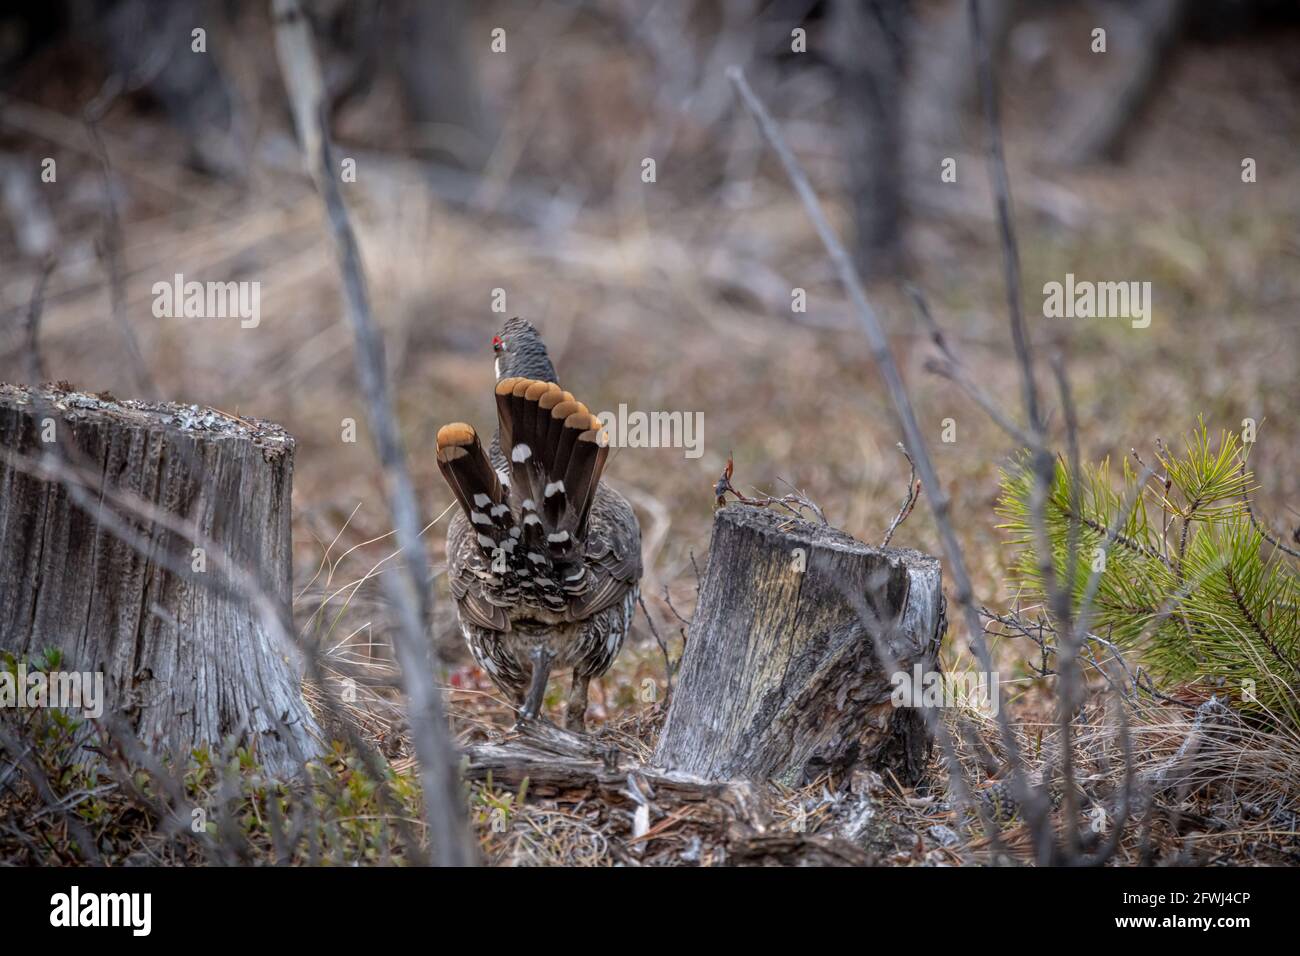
{"points": [[498, 344]]}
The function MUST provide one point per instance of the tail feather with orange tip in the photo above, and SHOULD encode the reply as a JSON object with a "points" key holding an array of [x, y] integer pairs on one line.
{"points": [[556, 450]]}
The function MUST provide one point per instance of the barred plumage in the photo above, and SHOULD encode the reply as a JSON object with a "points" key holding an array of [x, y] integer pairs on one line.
{"points": [[544, 559]]}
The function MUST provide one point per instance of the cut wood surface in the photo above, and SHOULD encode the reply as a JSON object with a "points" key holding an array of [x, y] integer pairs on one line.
{"points": [[102, 504], [781, 677]]}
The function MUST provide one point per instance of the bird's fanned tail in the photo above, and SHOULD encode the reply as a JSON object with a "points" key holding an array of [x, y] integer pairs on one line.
{"points": [[557, 452]]}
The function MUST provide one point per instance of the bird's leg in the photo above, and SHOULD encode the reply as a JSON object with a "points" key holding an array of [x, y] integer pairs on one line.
{"points": [[541, 658], [575, 712]]}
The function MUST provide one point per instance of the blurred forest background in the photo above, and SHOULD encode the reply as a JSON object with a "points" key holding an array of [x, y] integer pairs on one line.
{"points": [[521, 169]]}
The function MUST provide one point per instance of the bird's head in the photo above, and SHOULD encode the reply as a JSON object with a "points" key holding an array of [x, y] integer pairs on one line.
{"points": [[520, 352]]}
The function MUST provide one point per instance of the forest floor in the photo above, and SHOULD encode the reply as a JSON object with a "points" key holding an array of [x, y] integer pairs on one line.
{"points": [[675, 296]]}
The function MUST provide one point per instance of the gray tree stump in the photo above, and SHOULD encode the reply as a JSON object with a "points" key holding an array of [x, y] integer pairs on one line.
{"points": [[781, 677], [188, 653]]}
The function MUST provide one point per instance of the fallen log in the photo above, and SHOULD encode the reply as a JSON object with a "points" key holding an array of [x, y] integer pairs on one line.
{"points": [[554, 760], [556, 764], [782, 678], [150, 544]]}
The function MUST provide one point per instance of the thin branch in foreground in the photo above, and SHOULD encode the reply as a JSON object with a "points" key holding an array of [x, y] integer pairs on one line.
{"points": [[444, 809], [1070, 687], [951, 367], [41, 784], [1044, 465], [1006, 225], [913, 439]]}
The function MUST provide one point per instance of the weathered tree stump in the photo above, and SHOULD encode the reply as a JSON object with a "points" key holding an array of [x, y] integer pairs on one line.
{"points": [[781, 677], [98, 530]]}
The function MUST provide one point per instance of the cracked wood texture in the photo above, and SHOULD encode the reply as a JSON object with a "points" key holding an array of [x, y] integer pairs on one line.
{"points": [[186, 660], [781, 677]]}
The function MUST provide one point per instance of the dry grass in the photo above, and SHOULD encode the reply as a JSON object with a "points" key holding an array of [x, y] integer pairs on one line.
{"points": [[675, 295]]}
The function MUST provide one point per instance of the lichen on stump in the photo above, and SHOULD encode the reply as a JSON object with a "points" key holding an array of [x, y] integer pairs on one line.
{"points": [[188, 655], [781, 678]]}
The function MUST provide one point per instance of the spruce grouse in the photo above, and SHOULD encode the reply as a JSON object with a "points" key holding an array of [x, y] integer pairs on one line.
{"points": [[544, 559]]}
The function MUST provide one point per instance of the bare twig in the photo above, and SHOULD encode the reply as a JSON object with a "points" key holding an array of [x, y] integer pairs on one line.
{"points": [[663, 647], [1006, 226], [668, 599], [1043, 464], [40, 782], [1070, 688], [909, 502], [951, 367], [443, 796], [791, 502]]}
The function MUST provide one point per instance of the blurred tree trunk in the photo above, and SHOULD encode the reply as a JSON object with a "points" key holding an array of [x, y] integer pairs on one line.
{"points": [[1112, 116], [951, 90], [149, 44], [870, 49], [431, 43]]}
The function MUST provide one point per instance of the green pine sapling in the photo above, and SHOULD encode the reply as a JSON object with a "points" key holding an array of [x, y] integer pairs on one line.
{"points": [[1188, 583]]}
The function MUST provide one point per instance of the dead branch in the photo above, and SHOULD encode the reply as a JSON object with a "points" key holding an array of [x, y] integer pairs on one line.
{"points": [[669, 669], [951, 367], [791, 502], [443, 797], [909, 502]]}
